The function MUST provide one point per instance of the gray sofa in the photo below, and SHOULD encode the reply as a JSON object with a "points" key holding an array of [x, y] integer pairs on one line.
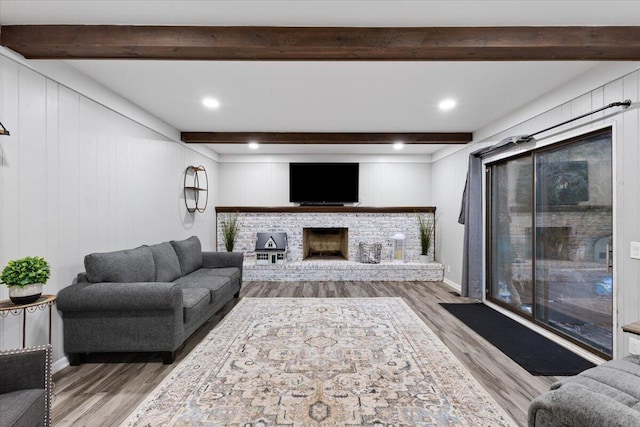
{"points": [[147, 299], [607, 395], [25, 387]]}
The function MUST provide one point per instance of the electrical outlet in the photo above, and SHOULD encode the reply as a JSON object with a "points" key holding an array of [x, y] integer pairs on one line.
{"points": [[635, 250], [634, 345], [448, 268]]}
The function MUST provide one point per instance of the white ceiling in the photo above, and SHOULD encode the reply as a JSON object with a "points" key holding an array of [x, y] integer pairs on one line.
{"points": [[327, 96]]}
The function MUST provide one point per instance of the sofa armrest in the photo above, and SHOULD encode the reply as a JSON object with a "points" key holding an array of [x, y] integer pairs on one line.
{"points": [[222, 259], [109, 296], [27, 368], [575, 405]]}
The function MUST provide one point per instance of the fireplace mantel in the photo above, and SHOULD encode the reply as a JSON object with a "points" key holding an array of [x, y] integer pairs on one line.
{"points": [[326, 209]]}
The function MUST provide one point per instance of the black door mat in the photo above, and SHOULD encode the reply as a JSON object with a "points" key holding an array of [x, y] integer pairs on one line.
{"points": [[535, 353]]}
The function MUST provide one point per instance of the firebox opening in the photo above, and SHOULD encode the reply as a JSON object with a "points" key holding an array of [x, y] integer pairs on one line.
{"points": [[325, 244]]}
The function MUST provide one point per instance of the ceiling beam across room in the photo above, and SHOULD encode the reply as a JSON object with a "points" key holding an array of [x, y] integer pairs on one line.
{"points": [[527, 43], [327, 137]]}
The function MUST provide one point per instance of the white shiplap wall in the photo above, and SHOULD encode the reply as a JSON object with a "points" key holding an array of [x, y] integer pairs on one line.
{"points": [[77, 177], [449, 174], [382, 183]]}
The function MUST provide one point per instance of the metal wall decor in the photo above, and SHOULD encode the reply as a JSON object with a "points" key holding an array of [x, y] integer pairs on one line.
{"points": [[4, 131], [196, 188]]}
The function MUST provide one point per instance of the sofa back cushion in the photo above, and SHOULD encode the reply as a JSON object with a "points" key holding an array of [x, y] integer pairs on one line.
{"points": [[130, 265], [189, 253], [166, 260]]}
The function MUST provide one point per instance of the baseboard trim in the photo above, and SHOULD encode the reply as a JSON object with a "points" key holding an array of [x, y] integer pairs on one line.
{"points": [[60, 364], [452, 284]]}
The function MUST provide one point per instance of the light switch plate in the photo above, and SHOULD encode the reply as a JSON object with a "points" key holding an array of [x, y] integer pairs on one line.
{"points": [[635, 250]]}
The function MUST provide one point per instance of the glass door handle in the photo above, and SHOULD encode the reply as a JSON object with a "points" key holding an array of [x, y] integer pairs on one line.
{"points": [[609, 258]]}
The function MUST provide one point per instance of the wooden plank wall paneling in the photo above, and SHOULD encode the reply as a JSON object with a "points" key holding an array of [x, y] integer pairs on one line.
{"points": [[448, 182], [10, 214], [627, 196], [382, 183], [76, 178]]}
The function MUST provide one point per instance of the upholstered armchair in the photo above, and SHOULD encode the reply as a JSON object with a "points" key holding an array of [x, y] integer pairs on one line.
{"points": [[25, 387]]}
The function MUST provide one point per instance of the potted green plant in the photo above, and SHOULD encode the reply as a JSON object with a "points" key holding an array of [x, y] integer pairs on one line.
{"points": [[24, 277], [426, 228], [229, 225]]}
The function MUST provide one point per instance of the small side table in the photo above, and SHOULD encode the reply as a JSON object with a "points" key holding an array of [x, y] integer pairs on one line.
{"points": [[634, 342], [6, 307], [632, 328]]}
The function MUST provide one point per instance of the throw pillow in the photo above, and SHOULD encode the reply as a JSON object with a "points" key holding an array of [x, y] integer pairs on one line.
{"points": [[167, 263], [130, 265], [189, 253]]}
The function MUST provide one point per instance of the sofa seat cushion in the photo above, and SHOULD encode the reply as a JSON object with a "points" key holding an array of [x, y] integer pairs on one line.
{"points": [[194, 302], [23, 408], [166, 262], [130, 265], [189, 253], [205, 278], [231, 272]]}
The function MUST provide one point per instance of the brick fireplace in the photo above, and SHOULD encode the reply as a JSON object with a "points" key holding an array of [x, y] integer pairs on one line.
{"points": [[318, 236]]}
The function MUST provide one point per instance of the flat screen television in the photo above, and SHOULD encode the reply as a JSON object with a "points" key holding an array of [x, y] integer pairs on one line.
{"points": [[323, 183]]}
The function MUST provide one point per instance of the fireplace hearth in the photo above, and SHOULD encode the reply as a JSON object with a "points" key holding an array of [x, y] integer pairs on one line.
{"points": [[325, 244]]}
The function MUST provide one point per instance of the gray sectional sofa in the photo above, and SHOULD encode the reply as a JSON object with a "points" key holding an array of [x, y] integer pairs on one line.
{"points": [[607, 395], [147, 299]]}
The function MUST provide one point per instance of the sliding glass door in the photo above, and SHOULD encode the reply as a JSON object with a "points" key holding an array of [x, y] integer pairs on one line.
{"points": [[510, 244], [550, 238]]}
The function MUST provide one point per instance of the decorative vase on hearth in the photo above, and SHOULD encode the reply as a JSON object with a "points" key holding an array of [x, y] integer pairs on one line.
{"points": [[399, 250]]}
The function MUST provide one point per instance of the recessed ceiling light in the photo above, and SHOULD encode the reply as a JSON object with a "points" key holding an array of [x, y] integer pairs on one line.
{"points": [[447, 104], [398, 145], [211, 103], [253, 145]]}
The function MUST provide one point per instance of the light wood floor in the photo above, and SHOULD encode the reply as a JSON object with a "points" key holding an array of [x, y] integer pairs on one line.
{"points": [[104, 391]]}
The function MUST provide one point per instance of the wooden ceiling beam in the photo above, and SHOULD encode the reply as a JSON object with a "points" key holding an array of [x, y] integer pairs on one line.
{"points": [[323, 43], [326, 137]]}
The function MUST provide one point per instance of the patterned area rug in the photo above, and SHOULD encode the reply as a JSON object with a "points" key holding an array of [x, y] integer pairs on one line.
{"points": [[320, 362]]}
